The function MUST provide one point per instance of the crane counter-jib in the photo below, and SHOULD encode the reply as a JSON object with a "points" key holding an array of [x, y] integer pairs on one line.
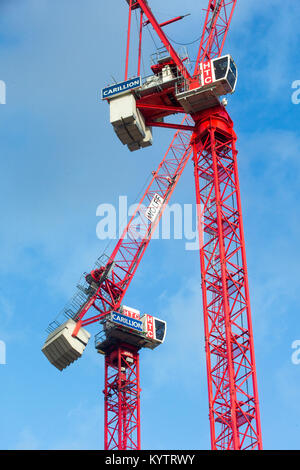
{"points": [[62, 347]]}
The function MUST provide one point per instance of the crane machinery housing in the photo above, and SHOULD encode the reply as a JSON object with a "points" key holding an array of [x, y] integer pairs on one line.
{"points": [[173, 93], [206, 135]]}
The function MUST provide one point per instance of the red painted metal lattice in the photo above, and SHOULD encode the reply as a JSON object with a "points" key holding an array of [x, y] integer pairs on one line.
{"points": [[232, 384], [129, 250], [217, 22], [122, 399]]}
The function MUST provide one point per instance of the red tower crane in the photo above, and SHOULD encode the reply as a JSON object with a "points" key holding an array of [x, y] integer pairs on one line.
{"points": [[206, 134]]}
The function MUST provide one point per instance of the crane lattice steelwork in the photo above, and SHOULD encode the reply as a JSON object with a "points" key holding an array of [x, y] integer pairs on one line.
{"points": [[206, 135]]}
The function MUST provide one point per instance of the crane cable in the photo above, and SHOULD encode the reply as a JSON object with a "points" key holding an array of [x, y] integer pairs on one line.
{"points": [[138, 32], [184, 43], [149, 30]]}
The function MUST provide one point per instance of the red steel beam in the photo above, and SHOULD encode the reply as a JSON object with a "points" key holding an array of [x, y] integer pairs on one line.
{"points": [[166, 23], [128, 39], [158, 107], [140, 44], [168, 125]]}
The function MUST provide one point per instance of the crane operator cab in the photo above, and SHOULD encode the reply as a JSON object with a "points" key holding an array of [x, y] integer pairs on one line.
{"points": [[128, 326], [217, 77]]}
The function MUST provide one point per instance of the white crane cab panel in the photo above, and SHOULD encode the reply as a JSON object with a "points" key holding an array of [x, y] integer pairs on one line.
{"points": [[61, 348], [217, 78], [155, 330], [130, 312]]}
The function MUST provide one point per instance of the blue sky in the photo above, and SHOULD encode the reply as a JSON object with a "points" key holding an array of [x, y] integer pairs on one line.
{"points": [[60, 160]]}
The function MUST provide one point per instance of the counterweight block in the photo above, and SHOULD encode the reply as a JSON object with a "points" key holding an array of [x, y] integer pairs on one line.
{"points": [[61, 348]]}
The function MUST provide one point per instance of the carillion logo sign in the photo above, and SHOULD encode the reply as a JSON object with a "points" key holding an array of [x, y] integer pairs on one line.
{"points": [[122, 87], [127, 321]]}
